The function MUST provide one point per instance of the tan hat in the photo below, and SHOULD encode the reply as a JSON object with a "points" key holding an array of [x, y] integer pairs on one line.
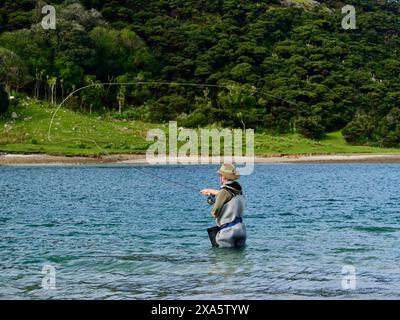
{"points": [[228, 171]]}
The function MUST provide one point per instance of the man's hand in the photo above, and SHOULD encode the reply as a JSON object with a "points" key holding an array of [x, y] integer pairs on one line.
{"points": [[209, 192]]}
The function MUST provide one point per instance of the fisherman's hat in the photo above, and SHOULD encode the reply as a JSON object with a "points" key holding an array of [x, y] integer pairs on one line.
{"points": [[229, 171]]}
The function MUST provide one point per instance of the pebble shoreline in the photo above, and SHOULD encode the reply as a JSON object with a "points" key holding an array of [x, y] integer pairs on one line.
{"points": [[43, 159]]}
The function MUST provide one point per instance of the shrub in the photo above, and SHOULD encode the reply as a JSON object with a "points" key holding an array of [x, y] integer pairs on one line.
{"points": [[360, 130], [310, 127], [389, 129], [194, 120], [130, 114], [167, 108]]}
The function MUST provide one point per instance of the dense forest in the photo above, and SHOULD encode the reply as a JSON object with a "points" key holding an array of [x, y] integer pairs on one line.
{"points": [[282, 66]]}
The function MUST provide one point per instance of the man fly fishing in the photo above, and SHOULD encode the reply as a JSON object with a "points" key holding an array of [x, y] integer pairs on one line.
{"points": [[227, 210]]}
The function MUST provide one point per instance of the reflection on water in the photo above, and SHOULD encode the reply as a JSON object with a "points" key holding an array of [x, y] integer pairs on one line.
{"points": [[228, 262], [112, 233]]}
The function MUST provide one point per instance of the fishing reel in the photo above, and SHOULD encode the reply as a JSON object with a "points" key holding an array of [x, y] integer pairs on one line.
{"points": [[211, 200]]}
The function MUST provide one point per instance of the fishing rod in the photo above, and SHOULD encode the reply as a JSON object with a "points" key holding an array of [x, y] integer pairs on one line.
{"points": [[210, 199], [166, 180]]}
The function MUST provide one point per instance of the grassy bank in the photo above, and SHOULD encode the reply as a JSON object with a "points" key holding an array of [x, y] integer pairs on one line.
{"points": [[25, 130]]}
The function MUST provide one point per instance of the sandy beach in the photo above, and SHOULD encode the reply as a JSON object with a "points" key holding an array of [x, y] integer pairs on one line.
{"points": [[43, 159]]}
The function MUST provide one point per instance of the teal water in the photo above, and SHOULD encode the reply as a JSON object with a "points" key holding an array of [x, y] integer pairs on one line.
{"points": [[115, 233]]}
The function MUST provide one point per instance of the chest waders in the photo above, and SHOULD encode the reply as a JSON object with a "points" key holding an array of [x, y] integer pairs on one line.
{"points": [[230, 230]]}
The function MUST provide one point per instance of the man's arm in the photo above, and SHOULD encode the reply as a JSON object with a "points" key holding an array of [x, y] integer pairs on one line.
{"points": [[223, 197], [209, 192]]}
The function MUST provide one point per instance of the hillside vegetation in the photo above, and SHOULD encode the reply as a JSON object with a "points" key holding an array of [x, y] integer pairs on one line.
{"points": [[280, 67], [26, 130]]}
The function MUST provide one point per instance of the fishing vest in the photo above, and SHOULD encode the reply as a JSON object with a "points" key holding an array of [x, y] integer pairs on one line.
{"points": [[232, 209]]}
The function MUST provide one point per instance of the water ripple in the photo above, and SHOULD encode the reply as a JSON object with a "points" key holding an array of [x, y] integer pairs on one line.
{"points": [[112, 233]]}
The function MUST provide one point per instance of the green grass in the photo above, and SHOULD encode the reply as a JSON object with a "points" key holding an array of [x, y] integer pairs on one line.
{"points": [[333, 143], [72, 133], [76, 134]]}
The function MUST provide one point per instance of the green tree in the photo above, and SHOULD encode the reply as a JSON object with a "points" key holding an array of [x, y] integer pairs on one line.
{"points": [[13, 71], [241, 72], [360, 130], [310, 127], [167, 108], [92, 96], [70, 73]]}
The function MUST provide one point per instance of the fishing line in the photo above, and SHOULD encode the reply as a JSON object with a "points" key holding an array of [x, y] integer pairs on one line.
{"points": [[210, 199], [253, 90], [166, 180]]}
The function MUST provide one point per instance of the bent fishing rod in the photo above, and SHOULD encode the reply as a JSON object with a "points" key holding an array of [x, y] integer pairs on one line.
{"points": [[210, 199]]}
